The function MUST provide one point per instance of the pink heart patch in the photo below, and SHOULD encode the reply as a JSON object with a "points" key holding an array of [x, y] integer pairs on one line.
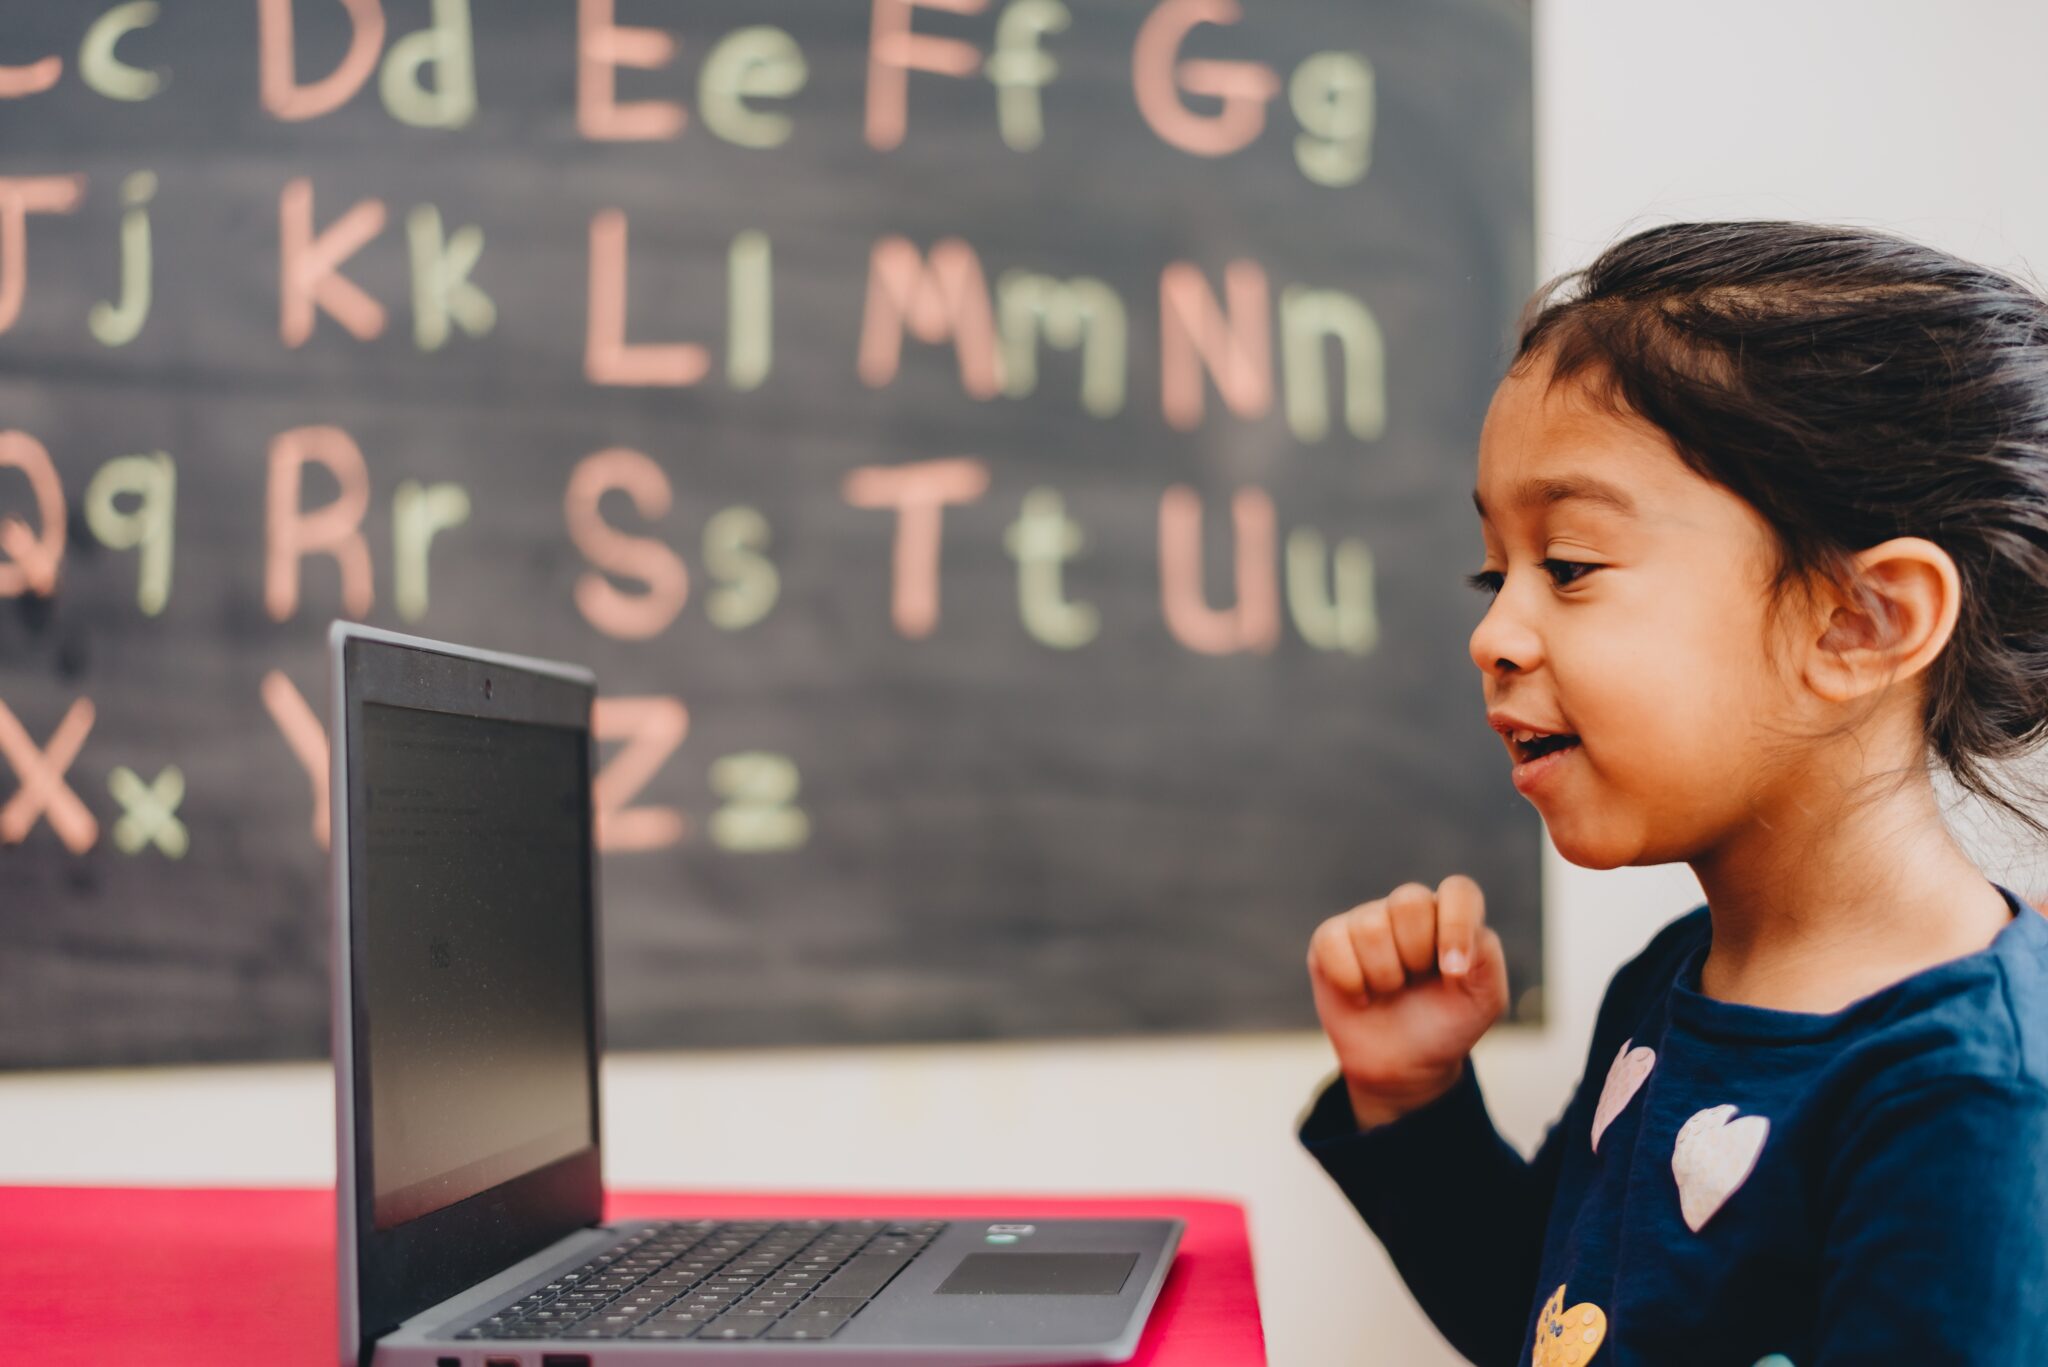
{"points": [[1714, 1156], [1625, 1078]]}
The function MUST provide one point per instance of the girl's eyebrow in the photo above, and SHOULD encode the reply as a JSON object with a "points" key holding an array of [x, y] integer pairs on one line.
{"points": [[1552, 490]]}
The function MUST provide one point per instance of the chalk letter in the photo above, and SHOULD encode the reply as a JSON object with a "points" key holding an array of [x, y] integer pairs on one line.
{"points": [[1020, 68], [21, 196], [607, 357], [43, 789], [277, 63], [1244, 87], [1195, 333], [1254, 624], [417, 515], [1306, 318], [919, 493], [441, 288], [1345, 619], [100, 69], [305, 735], [652, 728], [947, 296], [335, 529], [894, 51], [760, 814], [310, 275], [733, 540], [149, 811], [750, 63], [749, 310], [601, 48], [33, 79], [1082, 312], [154, 482], [1332, 95], [1041, 540], [616, 613], [116, 325], [32, 561], [446, 43]]}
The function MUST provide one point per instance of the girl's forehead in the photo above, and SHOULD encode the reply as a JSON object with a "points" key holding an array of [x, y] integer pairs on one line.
{"points": [[1537, 434]]}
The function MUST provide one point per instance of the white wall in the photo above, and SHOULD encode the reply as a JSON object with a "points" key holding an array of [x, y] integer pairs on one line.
{"points": [[1919, 117]]}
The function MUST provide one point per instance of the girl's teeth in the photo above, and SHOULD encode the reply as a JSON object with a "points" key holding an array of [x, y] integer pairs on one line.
{"points": [[1525, 736]]}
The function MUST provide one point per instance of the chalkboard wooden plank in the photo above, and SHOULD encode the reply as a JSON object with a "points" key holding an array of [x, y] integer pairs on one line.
{"points": [[958, 683]]}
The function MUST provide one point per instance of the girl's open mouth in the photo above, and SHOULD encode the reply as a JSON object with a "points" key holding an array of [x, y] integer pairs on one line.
{"points": [[1536, 760], [1543, 745]]}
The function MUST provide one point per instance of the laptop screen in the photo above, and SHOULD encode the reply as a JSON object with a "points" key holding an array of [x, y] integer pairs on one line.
{"points": [[476, 985]]}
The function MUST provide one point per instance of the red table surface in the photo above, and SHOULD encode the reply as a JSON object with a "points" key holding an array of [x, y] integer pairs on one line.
{"points": [[110, 1276]]}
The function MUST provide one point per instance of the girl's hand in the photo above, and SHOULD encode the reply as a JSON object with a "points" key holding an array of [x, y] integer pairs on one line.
{"points": [[1405, 986]]}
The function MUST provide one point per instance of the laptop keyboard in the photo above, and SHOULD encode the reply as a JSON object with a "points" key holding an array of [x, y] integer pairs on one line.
{"points": [[732, 1279]]}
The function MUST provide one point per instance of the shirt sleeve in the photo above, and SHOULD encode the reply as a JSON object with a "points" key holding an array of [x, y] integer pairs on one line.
{"points": [[1936, 1247], [1460, 1212]]}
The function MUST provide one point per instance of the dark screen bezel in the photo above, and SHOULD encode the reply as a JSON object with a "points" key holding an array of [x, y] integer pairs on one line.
{"points": [[409, 1267]]}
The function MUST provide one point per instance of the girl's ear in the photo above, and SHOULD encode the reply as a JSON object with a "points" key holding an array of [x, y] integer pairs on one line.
{"points": [[1901, 612]]}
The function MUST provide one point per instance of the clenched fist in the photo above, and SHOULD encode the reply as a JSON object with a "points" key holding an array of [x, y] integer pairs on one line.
{"points": [[1405, 986]]}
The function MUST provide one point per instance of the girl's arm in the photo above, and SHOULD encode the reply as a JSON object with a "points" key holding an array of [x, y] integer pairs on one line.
{"points": [[1461, 1213], [1404, 987]]}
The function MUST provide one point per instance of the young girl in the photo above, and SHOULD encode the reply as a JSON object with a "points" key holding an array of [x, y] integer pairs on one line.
{"points": [[1765, 508]]}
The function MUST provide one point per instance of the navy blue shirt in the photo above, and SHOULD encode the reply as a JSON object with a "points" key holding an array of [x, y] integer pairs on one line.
{"points": [[1734, 1185]]}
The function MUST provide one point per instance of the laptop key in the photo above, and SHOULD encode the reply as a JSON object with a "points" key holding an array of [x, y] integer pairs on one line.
{"points": [[864, 1275], [511, 1331], [799, 1329], [780, 1299], [726, 1327]]}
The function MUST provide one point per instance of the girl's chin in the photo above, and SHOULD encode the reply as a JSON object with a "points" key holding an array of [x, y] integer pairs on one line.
{"points": [[1581, 841], [1595, 859]]}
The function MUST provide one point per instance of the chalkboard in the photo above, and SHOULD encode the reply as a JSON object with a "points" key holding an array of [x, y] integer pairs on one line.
{"points": [[1005, 460]]}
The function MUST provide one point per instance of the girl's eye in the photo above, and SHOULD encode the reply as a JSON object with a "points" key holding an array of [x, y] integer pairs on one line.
{"points": [[1489, 581]]}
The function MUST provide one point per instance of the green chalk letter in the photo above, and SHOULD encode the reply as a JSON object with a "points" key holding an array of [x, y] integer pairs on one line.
{"points": [[441, 288], [1041, 539], [1332, 95], [117, 324], [1082, 312], [417, 515], [153, 479], [748, 584], [1307, 317], [750, 63], [1344, 619]]}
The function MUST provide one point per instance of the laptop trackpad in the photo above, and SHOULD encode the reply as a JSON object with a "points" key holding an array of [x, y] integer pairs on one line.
{"points": [[1039, 1274]]}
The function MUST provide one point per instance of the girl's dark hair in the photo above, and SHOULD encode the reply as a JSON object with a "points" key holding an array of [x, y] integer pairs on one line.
{"points": [[1851, 386]]}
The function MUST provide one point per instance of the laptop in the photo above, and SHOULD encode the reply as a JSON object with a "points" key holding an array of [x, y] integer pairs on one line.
{"points": [[467, 1032]]}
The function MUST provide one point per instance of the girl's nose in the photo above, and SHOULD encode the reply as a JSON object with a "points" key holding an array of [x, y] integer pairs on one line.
{"points": [[1501, 642]]}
